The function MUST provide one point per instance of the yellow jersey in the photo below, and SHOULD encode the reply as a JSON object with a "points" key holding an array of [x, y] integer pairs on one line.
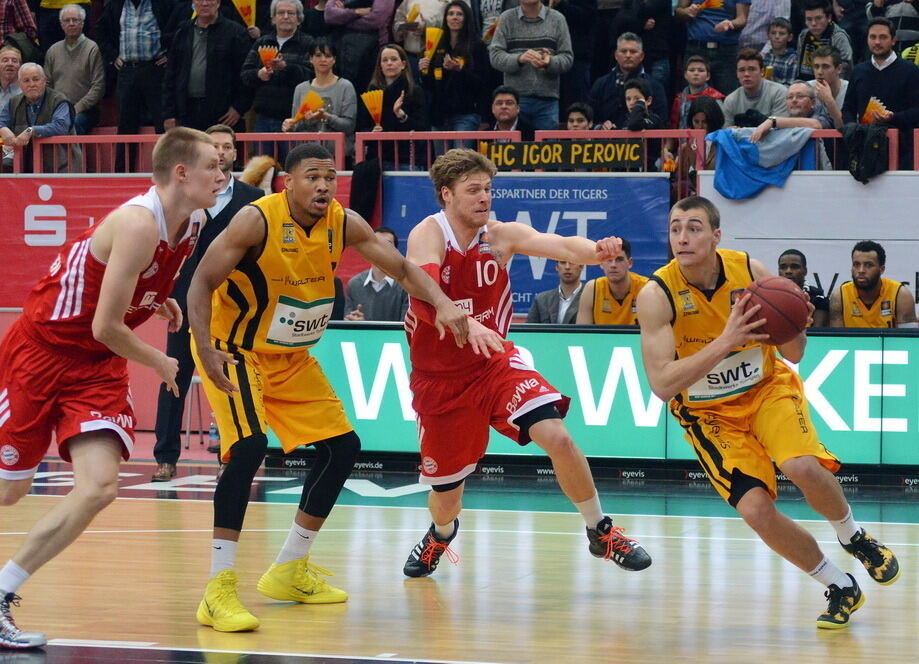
{"points": [[610, 311], [281, 302], [881, 313], [699, 318]]}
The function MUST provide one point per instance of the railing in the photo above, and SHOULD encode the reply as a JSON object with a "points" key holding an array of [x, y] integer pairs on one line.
{"points": [[423, 147], [834, 153], [132, 153]]}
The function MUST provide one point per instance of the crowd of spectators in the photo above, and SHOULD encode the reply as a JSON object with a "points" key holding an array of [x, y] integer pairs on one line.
{"points": [[490, 64]]}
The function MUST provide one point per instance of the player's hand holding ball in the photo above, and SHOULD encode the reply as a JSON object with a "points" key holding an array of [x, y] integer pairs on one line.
{"points": [[786, 309]]}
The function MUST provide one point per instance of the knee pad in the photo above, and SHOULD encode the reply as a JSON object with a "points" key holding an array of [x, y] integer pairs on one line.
{"points": [[232, 495], [335, 459], [443, 488]]}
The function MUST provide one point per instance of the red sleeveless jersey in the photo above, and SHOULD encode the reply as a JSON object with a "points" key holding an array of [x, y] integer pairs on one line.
{"points": [[59, 310], [474, 280]]}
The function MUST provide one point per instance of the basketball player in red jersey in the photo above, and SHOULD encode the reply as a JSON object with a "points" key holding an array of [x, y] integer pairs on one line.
{"points": [[458, 392], [63, 363]]}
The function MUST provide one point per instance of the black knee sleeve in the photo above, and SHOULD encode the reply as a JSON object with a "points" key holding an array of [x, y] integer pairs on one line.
{"points": [[547, 411], [443, 488], [335, 459], [232, 495]]}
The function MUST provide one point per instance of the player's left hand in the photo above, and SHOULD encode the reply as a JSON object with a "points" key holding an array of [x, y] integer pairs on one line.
{"points": [[451, 316], [484, 340], [172, 312], [608, 247]]}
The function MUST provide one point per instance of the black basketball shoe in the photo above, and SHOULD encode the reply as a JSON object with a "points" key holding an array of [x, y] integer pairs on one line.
{"points": [[880, 562], [424, 558], [610, 543], [842, 603]]}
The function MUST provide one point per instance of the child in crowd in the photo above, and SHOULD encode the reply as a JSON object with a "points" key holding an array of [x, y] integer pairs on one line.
{"points": [[579, 117], [779, 57], [697, 75]]}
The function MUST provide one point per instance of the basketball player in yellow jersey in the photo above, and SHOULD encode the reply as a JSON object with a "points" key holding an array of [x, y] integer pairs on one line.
{"points": [[870, 300], [610, 299], [260, 298], [742, 407]]}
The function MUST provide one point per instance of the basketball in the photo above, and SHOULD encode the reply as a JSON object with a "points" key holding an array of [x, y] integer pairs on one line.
{"points": [[782, 304]]}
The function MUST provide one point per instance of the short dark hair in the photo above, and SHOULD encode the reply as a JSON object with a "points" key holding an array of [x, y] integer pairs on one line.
{"points": [[699, 203], [827, 51], [795, 252], [581, 107], [639, 84], [324, 46], [714, 116], [812, 5], [781, 22], [303, 152], [505, 90], [387, 229], [871, 245], [220, 129], [700, 59], [750, 54], [626, 248], [882, 20]]}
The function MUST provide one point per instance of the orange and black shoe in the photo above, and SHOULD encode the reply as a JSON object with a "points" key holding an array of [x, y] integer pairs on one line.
{"points": [[610, 543], [880, 562], [842, 603], [423, 559]]}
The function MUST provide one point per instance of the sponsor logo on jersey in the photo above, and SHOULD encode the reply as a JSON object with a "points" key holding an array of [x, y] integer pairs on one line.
{"points": [[519, 393], [148, 301], [445, 275], [122, 420], [686, 300], [150, 271], [429, 465], [464, 304], [886, 309], [855, 310], [288, 230], [9, 455]]}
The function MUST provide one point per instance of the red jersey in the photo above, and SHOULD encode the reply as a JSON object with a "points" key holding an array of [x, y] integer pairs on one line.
{"points": [[478, 284], [60, 309]]}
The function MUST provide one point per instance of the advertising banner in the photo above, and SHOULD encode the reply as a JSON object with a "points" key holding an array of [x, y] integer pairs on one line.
{"points": [[823, 215], [40, 214], [863, 393], [565, 155], [633, 206]]}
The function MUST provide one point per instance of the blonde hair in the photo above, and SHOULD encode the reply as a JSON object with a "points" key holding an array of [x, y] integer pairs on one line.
{"points": [[177, 146], [455, 165]]}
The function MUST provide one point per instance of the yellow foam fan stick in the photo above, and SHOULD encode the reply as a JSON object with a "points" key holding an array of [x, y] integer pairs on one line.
{"points": [[373, 100], [431, 40], [267, 54], [874, 104], [312, 102], [412, 14]]}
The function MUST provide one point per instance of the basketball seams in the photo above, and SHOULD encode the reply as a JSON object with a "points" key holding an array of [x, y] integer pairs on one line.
{"points": [[759, 289]]}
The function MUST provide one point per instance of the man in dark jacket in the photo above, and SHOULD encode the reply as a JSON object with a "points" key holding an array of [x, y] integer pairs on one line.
{"points": [[202, 84], [169, 408], [273, 84]]}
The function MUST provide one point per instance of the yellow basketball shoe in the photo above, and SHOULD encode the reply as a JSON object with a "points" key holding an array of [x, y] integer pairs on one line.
{"points": [[299, 581], [221, 608], [842, 603], [880, 562]]}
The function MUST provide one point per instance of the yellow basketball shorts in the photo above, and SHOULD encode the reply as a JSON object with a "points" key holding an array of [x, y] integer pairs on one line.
{"points": [[287, 391], [737, 444]]}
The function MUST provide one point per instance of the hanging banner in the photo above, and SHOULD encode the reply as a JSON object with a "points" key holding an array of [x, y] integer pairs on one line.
{"points": [[565, 155], [632, 206]]}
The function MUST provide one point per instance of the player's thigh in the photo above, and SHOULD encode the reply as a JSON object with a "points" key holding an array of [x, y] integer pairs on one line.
{"points": [[452, 442], [96, 458], [732, 457], [241, 413], [515, 393], [300, 405], [783, 425]]}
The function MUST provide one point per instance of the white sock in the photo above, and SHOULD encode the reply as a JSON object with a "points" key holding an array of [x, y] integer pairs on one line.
{"points": [[223, 555], [298, 543], [828, 574], [846, 528], [591, 511], [11, 577], [446, 530]]}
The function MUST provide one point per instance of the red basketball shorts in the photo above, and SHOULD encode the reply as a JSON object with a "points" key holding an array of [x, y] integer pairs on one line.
{"points": [[455, 412], [45, 392]]}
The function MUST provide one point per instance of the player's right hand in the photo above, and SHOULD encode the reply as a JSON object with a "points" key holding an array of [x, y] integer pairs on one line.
{"points": [[213, 361], [742, 325], [484, 340], [167, 369]]}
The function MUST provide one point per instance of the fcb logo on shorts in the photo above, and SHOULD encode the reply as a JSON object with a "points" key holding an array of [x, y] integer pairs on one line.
{"points": [[9, 455], [429, 465]]}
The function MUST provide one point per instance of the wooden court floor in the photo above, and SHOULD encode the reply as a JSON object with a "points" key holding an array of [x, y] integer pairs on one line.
{"points": [[525, 590]]}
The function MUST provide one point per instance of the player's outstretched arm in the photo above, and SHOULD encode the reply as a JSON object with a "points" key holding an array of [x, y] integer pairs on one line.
{"points": [[126, 243], [667, 376], [586, 304], [793, 350], [412, 278], [508, 238], [244, 235], [906, 309]]}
